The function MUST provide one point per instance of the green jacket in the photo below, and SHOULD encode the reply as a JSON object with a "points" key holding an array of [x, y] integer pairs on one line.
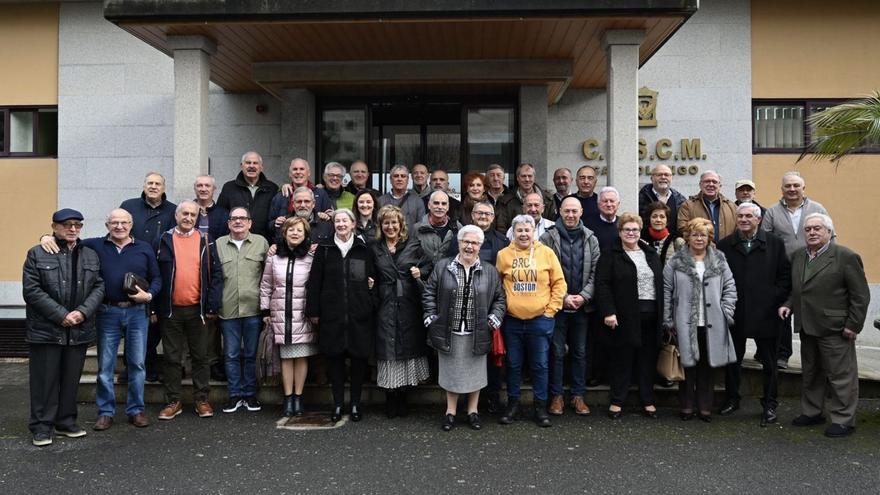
{"points": [[242, 270]]}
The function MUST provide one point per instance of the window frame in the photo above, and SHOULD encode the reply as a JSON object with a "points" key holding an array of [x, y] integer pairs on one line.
{"points": [[6, 115], [807, 105]]}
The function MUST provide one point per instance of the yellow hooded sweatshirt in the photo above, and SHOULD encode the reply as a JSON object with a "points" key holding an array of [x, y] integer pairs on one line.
{"points": [[533, 280]]}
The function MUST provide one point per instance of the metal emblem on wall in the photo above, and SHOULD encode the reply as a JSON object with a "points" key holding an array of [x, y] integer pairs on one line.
{"points": [[647, 107]]}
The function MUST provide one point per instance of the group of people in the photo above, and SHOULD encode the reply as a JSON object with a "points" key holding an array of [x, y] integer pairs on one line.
{"points": [[343, 272]]}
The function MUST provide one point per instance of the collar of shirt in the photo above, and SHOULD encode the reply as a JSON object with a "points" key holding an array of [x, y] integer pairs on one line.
{"points": [[811, 257], [184, 234]]}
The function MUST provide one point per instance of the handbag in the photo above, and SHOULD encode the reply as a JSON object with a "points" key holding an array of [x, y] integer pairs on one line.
{"points": [[669, 361], [132, 282], [498, 349]]}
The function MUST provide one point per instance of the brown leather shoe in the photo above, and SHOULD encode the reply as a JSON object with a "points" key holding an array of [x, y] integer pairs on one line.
{"points": [[140, 420], [204, 409], [556, 406], [103, 423], [171, 410], [580, 407]]}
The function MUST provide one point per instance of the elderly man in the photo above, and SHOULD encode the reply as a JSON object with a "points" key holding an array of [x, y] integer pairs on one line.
{"points": [[241, 254], [763, 282], [786, 220], [151, 214], [440, 182], [420, 180], [410, 204], [495, 181], [282, 206], [436, 231], [578, 252], [62, 292], [533, 206], [745, 191], [709, 203], [360, 177], [829, 301], [660, 189], [213, 221], [511, 204], [191, 292], [339, 197], [562, 184], [252, 190], [604, 226], [585, 182], [124, 314]]}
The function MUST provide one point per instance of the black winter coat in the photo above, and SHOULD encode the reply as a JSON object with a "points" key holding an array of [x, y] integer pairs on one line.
{"points": [[148, 223], [400, 332], [439, 299], [211, 296], [617, 293], [46, 286], [338, 294], [236, 193], [763, 283], [676, 199]]}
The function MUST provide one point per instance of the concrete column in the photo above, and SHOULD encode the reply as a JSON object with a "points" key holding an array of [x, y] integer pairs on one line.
{"points": [[533, 131], [622, 53], [192, 71], [298, 129]]}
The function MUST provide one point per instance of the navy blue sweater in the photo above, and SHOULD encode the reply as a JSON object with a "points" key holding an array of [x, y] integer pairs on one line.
{"points": [[137, 257]]}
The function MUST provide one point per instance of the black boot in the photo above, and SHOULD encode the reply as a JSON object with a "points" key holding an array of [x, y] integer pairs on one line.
{"points": [[298, 405], [542, 419], [493, 404], [336, 415], [402, 402], [511, 413], [391, 403], [357, 413], [287, 406]]}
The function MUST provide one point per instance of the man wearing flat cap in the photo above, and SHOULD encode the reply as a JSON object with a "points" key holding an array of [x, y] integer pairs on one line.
{"points": [[745, 191], [62, 292]]}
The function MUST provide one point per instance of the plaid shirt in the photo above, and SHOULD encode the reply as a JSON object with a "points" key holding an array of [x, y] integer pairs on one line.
{"points": [[463, 308]]}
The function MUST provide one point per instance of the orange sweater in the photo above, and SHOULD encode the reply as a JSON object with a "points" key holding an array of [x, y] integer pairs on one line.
{"points": [[533, 281], [187, 281]]}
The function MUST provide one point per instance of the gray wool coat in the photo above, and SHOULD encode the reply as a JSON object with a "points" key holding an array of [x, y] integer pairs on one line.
{"points": [[681, 297]]}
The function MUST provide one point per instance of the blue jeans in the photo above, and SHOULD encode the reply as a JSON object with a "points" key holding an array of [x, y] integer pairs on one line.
{"points": [[532, 337], [571, 328], [114, 323], [240, 337]]}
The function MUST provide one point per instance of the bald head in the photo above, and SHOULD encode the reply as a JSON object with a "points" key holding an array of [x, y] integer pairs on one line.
{"points": [[570, 211]]}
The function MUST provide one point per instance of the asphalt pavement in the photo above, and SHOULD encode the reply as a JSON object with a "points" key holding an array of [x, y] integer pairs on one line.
{"points": [[246, 453]]}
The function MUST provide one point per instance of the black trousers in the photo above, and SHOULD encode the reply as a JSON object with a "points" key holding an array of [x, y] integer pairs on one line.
{"points": [[697, 385], [336, 370], [783, 344], [54, 378], [154, 336], [769, 374], [643, 357]]}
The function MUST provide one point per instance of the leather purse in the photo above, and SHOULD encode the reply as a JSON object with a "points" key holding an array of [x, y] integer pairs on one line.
{"points": [[133, 282], [669, 361]]}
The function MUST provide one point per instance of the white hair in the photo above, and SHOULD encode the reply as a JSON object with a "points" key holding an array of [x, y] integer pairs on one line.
{"points": [[304, 189], [707, 172], [431, 197], [471, 229], [335, 165], [756, 210], [345, 211], [259, 158], [609, 189], [121, 211], [402, 167], [793, 173], [185, 202], [522, 219], [826, 220], [206, 176]]}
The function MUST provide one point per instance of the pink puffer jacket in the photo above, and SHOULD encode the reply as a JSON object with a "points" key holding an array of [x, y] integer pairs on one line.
{"points": [[273, 295]]}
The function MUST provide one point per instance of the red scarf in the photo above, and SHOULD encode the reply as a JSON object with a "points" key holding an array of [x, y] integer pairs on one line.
{"points": [[658, 235]]}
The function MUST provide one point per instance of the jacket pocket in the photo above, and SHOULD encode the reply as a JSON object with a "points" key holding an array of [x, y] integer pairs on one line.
{"points": [[357, 270], [838, 313]]}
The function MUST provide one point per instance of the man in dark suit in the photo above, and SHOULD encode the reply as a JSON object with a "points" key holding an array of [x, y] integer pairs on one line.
{"points": [[763, 282], [829, 301]]}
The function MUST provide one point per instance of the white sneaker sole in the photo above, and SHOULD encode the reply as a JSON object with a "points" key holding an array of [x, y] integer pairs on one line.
{"points": [[42, 443], [71, 434], [166, 418]]}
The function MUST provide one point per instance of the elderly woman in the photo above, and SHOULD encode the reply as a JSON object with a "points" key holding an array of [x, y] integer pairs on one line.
{"points": [[366, 204], [474, 185], [341, 301], [699, 298], [283, 297], [657, 234], [629, 290], [534, 286], [400, 334], [463, 302]]}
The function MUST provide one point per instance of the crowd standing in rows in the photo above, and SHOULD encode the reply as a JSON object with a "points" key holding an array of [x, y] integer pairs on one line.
{"points": [[343, 272]]}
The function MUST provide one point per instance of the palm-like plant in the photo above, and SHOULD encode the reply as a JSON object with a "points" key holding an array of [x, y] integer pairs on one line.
{"points": [[839, 130]]}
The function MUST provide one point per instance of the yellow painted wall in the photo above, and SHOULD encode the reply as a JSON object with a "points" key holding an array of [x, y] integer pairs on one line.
{"points": [[29, 189], [29, 195], [815, 48], [803, 49], [29, 54]]}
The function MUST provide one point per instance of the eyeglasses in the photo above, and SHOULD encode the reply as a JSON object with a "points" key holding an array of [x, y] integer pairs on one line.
{"points": [[470, 243], [483, 213], [630, 231], [699, 235], [239, 219], [333, 176], [117, 223], [73, 225]]}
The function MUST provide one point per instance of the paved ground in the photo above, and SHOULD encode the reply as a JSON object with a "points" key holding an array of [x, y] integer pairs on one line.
{"points": [[246, 453]]}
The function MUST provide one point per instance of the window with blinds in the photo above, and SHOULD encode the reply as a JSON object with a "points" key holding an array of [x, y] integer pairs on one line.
{"points": [[779, 126]]}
